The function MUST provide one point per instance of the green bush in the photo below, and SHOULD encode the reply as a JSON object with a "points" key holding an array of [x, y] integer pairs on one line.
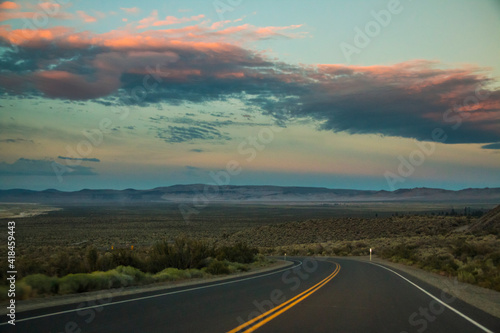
{"points": [[464, 276], [135, 273], [23, 291], [81, 282], [172, 274], [196, 273], [238, 267], [42, 284], [183, 253], [239, 252], [74, 283], [106, 262], [217, 267]]}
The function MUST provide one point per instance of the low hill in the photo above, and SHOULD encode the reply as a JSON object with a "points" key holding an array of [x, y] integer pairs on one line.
{"points": [[262, 194], [488, 223]]}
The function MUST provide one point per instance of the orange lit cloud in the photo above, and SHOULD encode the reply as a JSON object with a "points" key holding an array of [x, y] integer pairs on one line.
{"points": [[43, 9], [207, 62], [9, 5]]}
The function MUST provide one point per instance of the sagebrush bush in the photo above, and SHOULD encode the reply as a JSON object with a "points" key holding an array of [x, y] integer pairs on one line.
{"points": [[42, 284], [74, 283], [172, 274], [23, 291], [239, 252], [217, 267]]}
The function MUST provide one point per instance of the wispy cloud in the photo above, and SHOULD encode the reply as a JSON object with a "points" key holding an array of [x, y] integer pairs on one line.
{"points": [[86, 17], [169, 20], [18, 140], [132, 10], [177, 134], [79, 159]]}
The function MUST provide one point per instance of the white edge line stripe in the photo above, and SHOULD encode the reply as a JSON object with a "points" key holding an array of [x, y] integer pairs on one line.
{"points": [[437, 299], [150, 296]]}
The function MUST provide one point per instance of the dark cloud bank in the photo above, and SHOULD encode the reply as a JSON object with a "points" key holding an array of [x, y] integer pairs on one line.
{"points": [[408, 100]]}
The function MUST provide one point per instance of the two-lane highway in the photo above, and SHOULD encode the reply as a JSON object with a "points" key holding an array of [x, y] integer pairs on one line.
{"points": [[317, 295], [365, 297]]}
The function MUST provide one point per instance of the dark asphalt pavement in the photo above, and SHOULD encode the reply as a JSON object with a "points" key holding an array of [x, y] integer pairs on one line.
{"points": [[360, 297]]}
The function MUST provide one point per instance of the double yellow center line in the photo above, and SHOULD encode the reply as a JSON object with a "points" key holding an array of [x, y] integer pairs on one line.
{"points": [[257, 322]]}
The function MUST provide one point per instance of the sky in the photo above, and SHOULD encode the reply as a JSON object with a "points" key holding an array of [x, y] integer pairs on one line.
{"points": [[376, 95]]}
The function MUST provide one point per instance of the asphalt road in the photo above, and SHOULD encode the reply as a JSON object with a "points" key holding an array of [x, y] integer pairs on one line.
{"points": [[334, 295]]}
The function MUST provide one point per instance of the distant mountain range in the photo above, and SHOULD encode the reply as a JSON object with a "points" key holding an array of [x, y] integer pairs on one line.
{"points": [[201, 193]]}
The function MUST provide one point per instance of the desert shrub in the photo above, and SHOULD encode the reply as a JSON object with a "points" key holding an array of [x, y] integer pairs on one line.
{"points": [[239, 252], [118, 280], [125, 257], [195, 273], [261, 259], [217, 267], [74, 283], [184, 253], [42, 284], [238, 267], [495, 258], [442, 263], [465, 276], [23, 291], [135, 273], [82, 282], [172, 274], [464, 249], [400, 251], [105, 262], [92, 257]]}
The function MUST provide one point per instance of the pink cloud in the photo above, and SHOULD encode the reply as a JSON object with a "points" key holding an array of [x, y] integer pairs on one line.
{"points": [[174, 20], [219, 24], [406, 99], [148, 21], [85, 17], [49, 9], [5, 16], [99, 14], [133, 10], [9, 5], [60, 84]]}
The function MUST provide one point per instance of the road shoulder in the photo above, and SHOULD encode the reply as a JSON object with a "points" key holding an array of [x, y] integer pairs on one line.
{"points": [[484, 299]]}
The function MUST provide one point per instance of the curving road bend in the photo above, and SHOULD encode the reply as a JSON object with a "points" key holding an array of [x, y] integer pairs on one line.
{"points": [[316, 295]]}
